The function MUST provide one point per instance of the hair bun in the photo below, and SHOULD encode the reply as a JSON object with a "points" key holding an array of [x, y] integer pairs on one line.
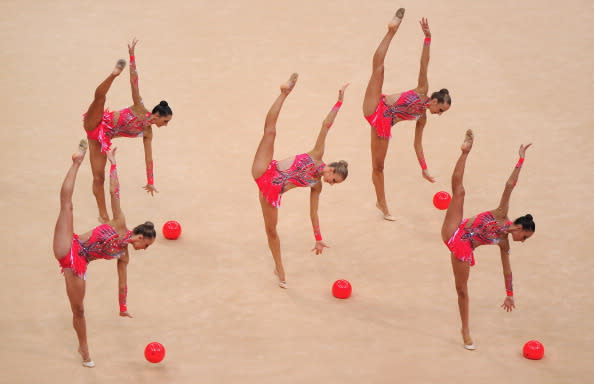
{"points": [[444, 91], [528, 216], [343, 162], [149, 224], [163, 103]]}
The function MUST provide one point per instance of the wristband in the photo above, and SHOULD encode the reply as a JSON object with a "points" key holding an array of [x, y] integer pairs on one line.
{"points": [[122, 299], [112, 168], [427, 41], [317, 234], [337, 106], [132, 58], [509, 293], [423, 164], [520, 162]]}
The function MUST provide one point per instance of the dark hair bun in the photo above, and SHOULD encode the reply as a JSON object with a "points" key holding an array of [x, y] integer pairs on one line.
{"points": [[149, 225], [444, 91], [163, 103], [528, 216]]}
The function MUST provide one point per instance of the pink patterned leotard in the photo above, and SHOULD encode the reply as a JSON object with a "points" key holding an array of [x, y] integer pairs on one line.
{"points": [[104, 243], [303, 173], [484, 230], [127, 125], [409, 106]]}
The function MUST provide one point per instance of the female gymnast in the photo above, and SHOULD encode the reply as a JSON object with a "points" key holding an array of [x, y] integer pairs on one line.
{"points": [[305, 170], [383, 111], [106, 241], [103, 125], [462, 236]]}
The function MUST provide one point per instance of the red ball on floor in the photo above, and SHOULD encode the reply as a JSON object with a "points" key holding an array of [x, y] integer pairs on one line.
{"points": [[154, 352], [533, 350], [171, 230], [342, 289], [441, 200]]}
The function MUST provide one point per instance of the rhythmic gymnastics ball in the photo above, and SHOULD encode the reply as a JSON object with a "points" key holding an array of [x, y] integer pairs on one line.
{"points": [[441, 200], [533, 350], [171, 230], [154, 352], [342, 289]]}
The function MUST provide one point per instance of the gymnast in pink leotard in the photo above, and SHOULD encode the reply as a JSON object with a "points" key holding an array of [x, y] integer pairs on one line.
{"points": [[103, 125], [274, 178], [106, 241], [493, 227], [383, 111]]}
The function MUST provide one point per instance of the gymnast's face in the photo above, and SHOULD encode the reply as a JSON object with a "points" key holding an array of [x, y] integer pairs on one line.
{"points": [[160, 121], [331, 177], [521, 235], [437, 108], [141, 242]]}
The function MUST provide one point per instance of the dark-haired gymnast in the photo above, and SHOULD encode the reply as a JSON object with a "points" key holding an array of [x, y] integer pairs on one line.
{"points": [[106, 241], [383, 111], [463, 236], [103, 125]]}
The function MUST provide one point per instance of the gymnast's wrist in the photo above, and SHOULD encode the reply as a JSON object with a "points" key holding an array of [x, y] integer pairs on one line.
{"points": [[520, 162], [423, 164]]}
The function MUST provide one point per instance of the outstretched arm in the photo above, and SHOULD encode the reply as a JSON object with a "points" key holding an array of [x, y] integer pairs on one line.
{"points": [[318, 151], [314, 199], [418, 144], [114, 188], [134, 75], [147, 140], [123, 283], [423, 85], [511, 182], [508, 303]]}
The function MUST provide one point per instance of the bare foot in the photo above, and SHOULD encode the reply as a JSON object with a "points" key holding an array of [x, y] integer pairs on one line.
{"points": [[119, 67], [385, 212], [395, 22], [79, 155], [287, 87], [281, 281], [468, 140]]}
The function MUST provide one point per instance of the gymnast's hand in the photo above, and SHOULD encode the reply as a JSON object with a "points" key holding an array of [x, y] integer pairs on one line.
{"points": [[523, 149], [132, 46], [427, 176], [319, 247], [150, 188], [425, 27], [341, 91], [508, 304], [126, 314]]}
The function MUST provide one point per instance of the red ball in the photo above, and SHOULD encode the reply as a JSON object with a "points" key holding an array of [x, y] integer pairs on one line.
{"points": [[441, 200], [533, 350], [342, 289], [154, 352], [171, 230]]}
